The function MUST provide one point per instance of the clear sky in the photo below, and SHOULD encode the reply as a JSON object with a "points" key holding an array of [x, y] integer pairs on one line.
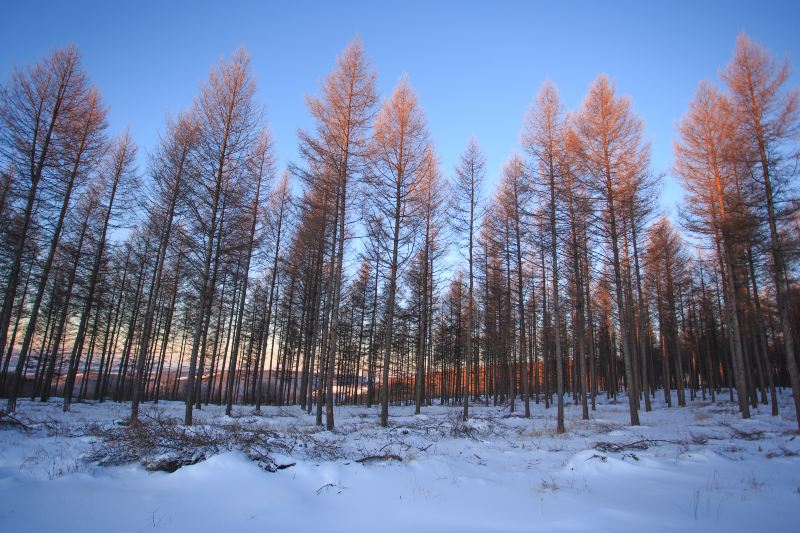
{"points": [[475, 65]]}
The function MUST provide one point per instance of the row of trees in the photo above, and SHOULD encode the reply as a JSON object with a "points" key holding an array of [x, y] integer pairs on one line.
{"points": [[362, 274]]}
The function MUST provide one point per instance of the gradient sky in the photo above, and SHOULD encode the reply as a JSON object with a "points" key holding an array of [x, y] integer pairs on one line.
{"points": [[475, 65]]}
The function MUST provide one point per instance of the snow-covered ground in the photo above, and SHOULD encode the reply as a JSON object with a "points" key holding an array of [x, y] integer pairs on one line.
{"points": [[699, 468]]}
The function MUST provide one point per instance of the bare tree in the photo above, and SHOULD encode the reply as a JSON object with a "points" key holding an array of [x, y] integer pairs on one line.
{"points": [[396, 161], [515, 195], [228, 122], [34, 106], [611, 151], [117, 174], [83, 136], [704, 160], [768, 117], [470, 175], [543, 140], [343, 116], [430, 198]]}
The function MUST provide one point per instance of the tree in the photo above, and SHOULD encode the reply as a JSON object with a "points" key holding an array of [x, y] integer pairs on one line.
{"points": [[227, 119], [430, 199], [514, 196], [343, 116], [704, 159], [35, 105], [117, 174], [396, 161], [260, 170], [467, 215], [85, 209], [577, 211], [611, 152], [543, 140], [280, 202], [667, 262], [767, 116], [83, 136]]}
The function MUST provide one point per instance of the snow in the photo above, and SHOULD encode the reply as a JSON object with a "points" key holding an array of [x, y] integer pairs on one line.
{"points": [[695, 468]]}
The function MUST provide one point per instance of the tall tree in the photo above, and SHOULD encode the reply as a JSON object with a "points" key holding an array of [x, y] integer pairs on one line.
{"points": [[470, 175], [768, 117], [430, 198], [515, 197], [611, 151], [34, 106], [704, 159], [543, 140], [396, 160], [228, 120], [343, 116], [117, 174], [83, 136]]}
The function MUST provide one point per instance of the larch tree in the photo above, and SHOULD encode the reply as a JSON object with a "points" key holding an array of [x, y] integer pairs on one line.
{"points": [[170, 164], [228, 122], [396, 161], [82, 134], [467, 209], [72, 249], [667, 265], [543, 140], [261, 172], [118, 174], [768, 117], [704, 160], [576, 208], [280, 203], [610, 151], [515, 197], [429, 195], [34, 104], [343, 115]]}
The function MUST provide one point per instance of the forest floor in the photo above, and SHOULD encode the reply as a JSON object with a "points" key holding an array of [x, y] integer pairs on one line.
{"points": [[698, 468]]}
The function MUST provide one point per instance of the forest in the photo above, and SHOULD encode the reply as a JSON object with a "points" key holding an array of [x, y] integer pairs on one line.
{"points": [[366, 274], [204, 334]]}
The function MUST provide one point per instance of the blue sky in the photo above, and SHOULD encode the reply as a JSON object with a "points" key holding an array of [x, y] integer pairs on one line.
{"points": [[475, 65]]}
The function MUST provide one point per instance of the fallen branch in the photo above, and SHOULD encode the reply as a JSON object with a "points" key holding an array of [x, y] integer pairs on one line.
{"points": [[387, 457], [742, 434], [7, 419], [325, 486], [331, 485], [636, 445]]}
